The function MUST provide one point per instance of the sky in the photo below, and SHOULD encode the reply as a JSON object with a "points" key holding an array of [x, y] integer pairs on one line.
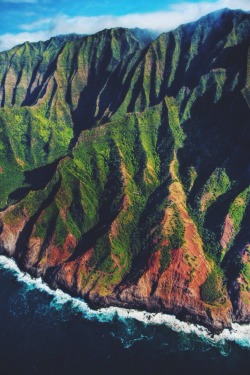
{"points": [[34, 20]]}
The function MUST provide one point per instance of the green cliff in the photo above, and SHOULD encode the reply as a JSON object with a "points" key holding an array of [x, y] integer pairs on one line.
{"points": [[125, 169]]}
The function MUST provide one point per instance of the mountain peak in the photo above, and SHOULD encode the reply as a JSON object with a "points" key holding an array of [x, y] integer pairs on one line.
{"points": [[124, 167]]}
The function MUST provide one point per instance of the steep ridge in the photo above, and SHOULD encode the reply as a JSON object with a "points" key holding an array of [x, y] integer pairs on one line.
{"points": [[49, 91], [125, 179]]}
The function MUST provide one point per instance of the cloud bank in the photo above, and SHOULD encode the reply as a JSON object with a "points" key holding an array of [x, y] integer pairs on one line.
{"points": [[177, 14]]}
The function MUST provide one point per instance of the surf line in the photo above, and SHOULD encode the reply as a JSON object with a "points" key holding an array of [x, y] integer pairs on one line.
{"points": [[239, 333]]}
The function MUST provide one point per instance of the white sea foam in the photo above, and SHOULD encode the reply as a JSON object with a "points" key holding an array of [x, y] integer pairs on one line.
{"points": [[239, 334]]}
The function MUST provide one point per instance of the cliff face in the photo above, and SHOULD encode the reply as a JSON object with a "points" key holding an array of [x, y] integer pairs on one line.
{"points": [[125, 167]]}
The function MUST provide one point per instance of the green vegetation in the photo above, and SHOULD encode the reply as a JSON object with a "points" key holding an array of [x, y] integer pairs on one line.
{"points": [[246, 270], [217, 184], [238, 208], [143, 144], [176, 239], [211, 291], [165, 258]]}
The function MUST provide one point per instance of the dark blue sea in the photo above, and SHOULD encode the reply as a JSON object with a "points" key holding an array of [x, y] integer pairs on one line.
{"points": [[48, 332]]}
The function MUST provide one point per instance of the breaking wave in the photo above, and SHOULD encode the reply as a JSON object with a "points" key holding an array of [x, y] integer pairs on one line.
{"points": [[239, 334]]}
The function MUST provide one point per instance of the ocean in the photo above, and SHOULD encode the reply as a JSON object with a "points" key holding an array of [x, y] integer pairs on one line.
{"points": [[43, 331]]}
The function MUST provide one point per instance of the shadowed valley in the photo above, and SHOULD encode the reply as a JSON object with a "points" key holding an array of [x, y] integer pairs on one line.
{"points": [[125, 169]]}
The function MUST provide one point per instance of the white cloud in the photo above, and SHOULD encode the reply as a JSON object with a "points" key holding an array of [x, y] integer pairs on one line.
{"points": [[8, 41], [37, 24], [161, 21]]}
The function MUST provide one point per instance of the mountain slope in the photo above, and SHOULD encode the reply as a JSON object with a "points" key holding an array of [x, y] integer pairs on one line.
{"points": [[49, 91], [125, 167]]}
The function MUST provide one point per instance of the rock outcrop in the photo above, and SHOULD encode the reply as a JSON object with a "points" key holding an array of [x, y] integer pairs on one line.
{"points": [[125, 167]]}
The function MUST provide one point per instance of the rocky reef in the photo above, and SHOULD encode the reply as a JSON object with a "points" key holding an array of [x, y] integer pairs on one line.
{"points": [[125, 167]]}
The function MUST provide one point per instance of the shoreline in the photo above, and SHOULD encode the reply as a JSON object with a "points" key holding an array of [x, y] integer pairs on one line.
{"points": [[238, 333]]}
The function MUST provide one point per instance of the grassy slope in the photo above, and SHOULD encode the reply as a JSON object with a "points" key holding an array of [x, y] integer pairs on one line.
{"points": [[171, 141]]}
